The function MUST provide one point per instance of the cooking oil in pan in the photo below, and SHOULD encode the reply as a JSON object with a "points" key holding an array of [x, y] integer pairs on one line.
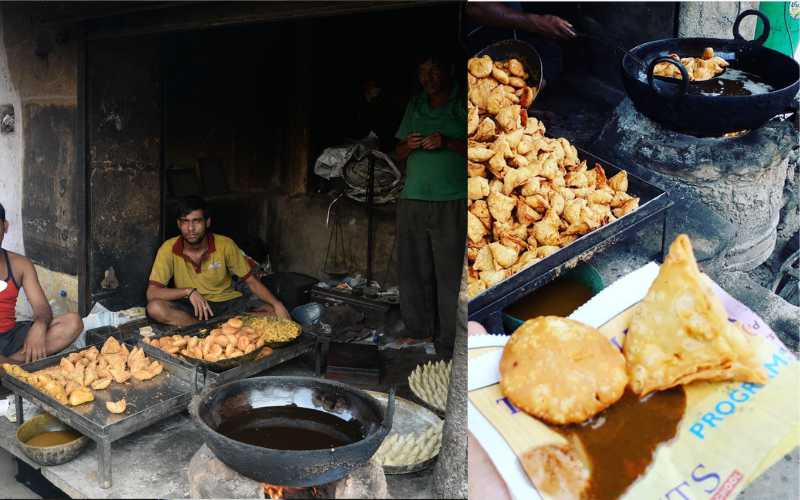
{"points": [[290, 428], [732, 82]]}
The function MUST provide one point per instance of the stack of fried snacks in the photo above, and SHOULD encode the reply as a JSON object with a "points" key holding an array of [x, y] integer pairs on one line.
{"points": [[699, 68], [69, 382], [232, 340], [273, 329], [529, 195]]}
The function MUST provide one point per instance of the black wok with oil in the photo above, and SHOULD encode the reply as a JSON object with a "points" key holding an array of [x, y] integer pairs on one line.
{"points": [[291, 407], [759, 84]]}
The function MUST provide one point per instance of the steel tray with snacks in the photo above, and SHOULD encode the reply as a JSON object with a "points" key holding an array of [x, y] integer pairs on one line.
{"points": [[654, 203], [148, 402], [304, 343]]}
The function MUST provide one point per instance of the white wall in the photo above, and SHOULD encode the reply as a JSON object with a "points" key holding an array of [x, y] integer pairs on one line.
{"points": [[11, 168], [11, 158]]}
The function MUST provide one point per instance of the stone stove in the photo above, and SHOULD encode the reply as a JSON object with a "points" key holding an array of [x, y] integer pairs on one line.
{"points": [[210, 478], [740, 178]]}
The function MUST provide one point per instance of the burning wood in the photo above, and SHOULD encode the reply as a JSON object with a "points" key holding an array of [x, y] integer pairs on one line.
{"points": [[271, 491]]}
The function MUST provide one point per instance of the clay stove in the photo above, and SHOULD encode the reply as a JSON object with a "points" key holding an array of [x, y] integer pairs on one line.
{"points": [[210, 478], [740, 178]]}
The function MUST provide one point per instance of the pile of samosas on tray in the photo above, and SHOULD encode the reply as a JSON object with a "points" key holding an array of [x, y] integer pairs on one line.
{"points": [[69, 381], [529, 195]]}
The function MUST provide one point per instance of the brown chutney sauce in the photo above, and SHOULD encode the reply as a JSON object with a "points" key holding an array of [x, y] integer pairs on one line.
{"points": [[54, 438], [560, 297], [620, 443]]}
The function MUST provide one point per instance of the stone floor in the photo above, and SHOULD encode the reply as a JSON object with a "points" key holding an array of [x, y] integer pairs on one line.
{"points": [[9, 486]]}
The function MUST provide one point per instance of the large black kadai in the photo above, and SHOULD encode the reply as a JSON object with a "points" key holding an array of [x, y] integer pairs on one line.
{"points": [[293, 468]]}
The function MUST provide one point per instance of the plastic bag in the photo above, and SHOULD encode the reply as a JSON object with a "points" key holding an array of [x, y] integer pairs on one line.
{"points": [[308, 314], [330, 162]]}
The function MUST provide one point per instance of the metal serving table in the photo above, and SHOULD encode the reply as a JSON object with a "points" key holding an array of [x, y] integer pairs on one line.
{"points": [[148, 402], [304, 343], [653, 208]]}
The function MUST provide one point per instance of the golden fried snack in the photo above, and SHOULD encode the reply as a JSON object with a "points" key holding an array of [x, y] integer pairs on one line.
{"points": [[699, 69], [155, 367], [16, 371], [526, 191], [71, 386], [80, 395], [561, 371], [111, 346], [264, 352], [557, 471], [101, 384], [143, 374], [118, 407], [680, 332], [119, 374]]}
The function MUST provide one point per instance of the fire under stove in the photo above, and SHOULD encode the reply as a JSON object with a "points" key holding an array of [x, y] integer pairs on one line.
{"points": [[210, 478], [727, 190]]}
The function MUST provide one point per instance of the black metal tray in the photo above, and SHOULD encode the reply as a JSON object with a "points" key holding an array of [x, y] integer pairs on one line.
{"points": [[148, 402], [653, 205], [304, 343]]}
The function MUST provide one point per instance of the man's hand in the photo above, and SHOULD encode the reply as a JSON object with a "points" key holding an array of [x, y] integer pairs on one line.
{"points": [[435, 141], [281, 311], [414, 140], [34, 347], [202, 310], [552, 27]]}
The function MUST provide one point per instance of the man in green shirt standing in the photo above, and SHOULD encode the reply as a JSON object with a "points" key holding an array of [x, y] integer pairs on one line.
{"points": [[432, 212]]}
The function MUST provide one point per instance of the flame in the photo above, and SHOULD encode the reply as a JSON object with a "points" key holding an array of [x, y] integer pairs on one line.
{"points": [[729, 134], [271, 491], [734, 134]]}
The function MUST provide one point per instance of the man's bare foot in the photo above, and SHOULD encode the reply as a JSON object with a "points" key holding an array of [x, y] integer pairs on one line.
{"points": [[411, 341]]}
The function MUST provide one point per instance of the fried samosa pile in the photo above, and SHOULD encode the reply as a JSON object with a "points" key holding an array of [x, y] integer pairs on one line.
{"points": [[529, 195], [69, 382], [229, 341], [699, 68]]}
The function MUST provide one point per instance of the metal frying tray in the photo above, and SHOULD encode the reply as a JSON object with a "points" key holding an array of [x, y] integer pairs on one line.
{"points": [[148, 402], [302, 344], [653, 204]]}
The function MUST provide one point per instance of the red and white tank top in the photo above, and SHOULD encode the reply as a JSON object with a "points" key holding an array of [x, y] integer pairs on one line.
{"points": [[9, 290]]}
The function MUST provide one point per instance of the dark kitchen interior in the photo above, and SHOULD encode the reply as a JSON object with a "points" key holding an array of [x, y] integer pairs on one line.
{"points": [[260, 102]]}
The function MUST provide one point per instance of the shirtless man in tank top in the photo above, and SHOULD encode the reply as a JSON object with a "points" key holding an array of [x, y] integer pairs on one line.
{"points": [[24, 341]]}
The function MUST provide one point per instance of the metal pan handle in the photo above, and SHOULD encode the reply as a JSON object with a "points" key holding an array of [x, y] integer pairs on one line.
{"points": [[195, 390], [760, 40], [651, 78], [387, 422]]}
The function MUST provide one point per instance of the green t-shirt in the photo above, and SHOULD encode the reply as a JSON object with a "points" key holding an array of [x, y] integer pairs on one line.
{"points": [[436, 174]]}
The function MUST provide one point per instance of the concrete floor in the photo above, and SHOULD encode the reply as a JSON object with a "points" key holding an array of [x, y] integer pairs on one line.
{"points": [[9, 486]]}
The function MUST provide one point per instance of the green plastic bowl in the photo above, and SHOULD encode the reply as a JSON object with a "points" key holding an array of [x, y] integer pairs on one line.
{"points": [[582, 273]]}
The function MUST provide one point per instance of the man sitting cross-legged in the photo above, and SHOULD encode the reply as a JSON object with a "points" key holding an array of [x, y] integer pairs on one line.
{"points": [[199, 262], [25, 341]]}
